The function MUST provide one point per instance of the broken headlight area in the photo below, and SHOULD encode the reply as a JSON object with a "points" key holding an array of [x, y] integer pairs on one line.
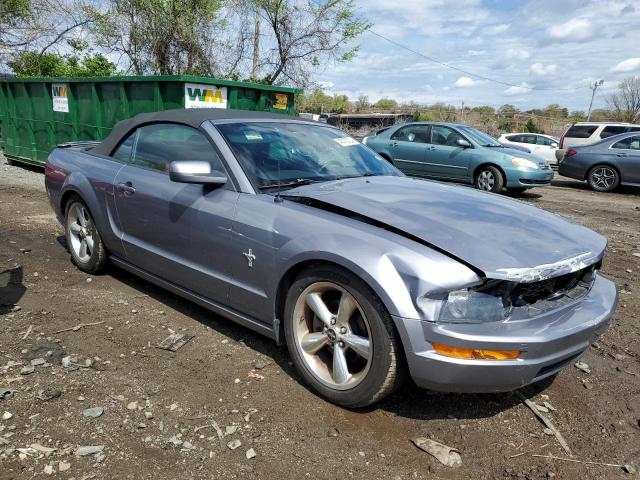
{"points": [[498, 300]]}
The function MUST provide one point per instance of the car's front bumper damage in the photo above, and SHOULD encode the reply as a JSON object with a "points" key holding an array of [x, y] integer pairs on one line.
{"points": [[547, 343]]}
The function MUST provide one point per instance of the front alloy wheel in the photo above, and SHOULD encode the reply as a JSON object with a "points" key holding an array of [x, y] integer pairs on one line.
{"points": [[489, 179], [341, 338], [332, 334]]}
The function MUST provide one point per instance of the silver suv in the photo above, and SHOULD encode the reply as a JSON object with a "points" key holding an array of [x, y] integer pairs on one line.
{"points": [[583, 133]]}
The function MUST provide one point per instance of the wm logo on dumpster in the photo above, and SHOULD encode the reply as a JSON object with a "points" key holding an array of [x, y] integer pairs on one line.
{"points": [[204, 96], [60, 97]]}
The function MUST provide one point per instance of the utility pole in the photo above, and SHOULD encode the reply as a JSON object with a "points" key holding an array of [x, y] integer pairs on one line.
{"points": [[256, 45], [462, 112], [596, 84]]}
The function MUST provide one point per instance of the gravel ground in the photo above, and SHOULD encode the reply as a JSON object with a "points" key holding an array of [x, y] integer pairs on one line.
{"points": [[155, 412]]}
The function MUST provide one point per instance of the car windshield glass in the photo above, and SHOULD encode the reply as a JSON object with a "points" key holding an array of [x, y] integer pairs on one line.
{"points": [[288, 154], [480, 137]]}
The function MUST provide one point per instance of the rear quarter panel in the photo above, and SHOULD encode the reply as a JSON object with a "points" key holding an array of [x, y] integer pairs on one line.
{"points": [[90, 177]]}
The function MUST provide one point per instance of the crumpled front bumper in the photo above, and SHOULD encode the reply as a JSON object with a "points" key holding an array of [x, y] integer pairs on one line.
{"points": [[548, 342]]}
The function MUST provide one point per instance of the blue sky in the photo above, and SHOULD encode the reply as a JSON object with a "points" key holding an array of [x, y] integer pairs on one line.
{"points": [[549, 50]]}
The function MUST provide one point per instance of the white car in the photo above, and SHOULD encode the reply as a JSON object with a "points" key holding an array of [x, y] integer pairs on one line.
{"points": [[541, 145]]}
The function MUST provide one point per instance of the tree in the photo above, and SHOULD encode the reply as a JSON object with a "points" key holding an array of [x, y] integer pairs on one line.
{"points": [[316, 102], [165, 37], [484, 110], [530, 127], [387, 104], [577, 116], [305, 33], [362, 104], [12, 13], [555, 111], [340, 104], [507, 111], [625, 103]]}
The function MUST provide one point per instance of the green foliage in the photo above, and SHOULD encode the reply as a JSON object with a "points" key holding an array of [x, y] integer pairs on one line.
{"points": [[507, 110], [530, 126], [424, 117], [32, 64], [577, 116], [484, 110], [340, 104], [555, 111], [13, 10], [386, 104]]}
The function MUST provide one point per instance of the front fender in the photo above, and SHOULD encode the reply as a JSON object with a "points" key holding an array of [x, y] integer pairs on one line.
{"points": [[398, 274]]}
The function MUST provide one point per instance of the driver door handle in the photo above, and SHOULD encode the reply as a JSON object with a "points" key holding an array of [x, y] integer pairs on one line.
{"points": [[394, 144], [127, 188], [621, 154]]}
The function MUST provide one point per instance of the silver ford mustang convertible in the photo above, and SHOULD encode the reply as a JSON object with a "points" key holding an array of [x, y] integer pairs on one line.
{"points": [[297, 231]]}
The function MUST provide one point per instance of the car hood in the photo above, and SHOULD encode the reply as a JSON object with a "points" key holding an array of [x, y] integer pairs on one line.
{"points": [[504, 238]]}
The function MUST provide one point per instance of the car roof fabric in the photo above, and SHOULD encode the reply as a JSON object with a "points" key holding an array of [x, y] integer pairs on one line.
{"points": [[193, 117]]}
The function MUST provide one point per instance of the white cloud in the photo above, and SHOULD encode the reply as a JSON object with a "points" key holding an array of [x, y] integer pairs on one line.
{"points": [[574, 29], [524, 87], [476, 53], [541, 70], [327, 85], [628, 65], [517, 54], [465, 82], [496, 29]]}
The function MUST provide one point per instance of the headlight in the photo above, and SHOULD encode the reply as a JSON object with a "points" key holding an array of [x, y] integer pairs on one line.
{"points": [[524, 163], [471, 306]]}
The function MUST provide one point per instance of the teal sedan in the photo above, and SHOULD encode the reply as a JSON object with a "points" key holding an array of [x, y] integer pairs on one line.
{"points": [[446, 151]]}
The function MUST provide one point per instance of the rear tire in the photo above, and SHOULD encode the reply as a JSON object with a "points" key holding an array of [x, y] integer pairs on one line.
{"points": [[356, 360], [489, 179], [83, 239], [603, 178]]}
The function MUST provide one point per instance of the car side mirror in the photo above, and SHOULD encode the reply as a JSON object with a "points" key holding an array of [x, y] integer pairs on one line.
{"points": [[461, 142], [195, 172]]}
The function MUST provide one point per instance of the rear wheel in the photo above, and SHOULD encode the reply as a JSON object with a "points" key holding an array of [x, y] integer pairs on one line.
{"points": [[489, 179], [603, 178], [341, 338], [83, 239]]}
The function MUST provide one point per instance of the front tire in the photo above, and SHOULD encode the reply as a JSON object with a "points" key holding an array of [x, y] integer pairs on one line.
{"points": [[489, 179], [341, 338], [603, 178], [84, 241], [517, 190]]}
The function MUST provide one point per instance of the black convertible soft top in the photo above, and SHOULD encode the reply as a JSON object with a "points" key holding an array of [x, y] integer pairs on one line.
{"points": [[193, 117]]}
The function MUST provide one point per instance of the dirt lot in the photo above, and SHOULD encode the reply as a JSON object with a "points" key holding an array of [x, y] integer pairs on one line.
{"points": [[159, 407]]}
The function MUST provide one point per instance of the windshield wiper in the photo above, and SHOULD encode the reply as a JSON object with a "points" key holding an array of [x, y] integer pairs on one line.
{"points": [[368, 174], [293, 183]]}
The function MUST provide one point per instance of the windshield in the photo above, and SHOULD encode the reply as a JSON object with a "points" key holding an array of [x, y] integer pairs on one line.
{"points": [[480, 137], [288, 154]]}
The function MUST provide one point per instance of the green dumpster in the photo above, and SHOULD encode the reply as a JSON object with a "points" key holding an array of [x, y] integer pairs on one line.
{"points": [[36, 114]]}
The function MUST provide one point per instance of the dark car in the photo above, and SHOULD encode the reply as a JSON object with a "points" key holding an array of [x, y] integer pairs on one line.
{"points": [[298, 231], [606, 164]]}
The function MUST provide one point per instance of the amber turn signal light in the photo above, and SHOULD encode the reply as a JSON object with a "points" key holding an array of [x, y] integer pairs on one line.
{"points": [[475, 353]]}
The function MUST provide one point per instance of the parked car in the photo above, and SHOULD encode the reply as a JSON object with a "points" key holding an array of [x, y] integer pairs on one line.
{"points": [[605, 164], [515, 147], [583, 133], [447, 151], [543, 146], [299, 232]]}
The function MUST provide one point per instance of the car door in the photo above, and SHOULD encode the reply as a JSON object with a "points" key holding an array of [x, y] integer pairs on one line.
{"points": [[407, 147], [544, 148], [627, 152], [177, 231], [446, 159]]}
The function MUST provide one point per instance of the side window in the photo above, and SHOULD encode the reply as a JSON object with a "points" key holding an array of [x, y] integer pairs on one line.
{"points": [[631, 143], [123, 152], [162, 143], [513, 138], [612, 130], [444, 136], [412, 133], [581, 131], [544, 140]]}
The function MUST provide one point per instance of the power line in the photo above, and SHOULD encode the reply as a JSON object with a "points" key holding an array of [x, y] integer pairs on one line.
{"points": [[467, 72]]}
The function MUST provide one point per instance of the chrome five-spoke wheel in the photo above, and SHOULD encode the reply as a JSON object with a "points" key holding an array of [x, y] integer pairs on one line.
{"points": [[333, 335], [486, 180]]}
